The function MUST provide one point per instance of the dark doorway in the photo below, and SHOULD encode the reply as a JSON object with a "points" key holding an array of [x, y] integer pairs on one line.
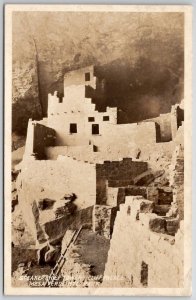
{"points": [[87, 76], [180, 116], [95, 129], [73, 128], [144, 274]]}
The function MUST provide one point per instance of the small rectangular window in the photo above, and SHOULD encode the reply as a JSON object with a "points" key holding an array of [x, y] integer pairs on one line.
{"points": [[87, 76], [95, 129], [106, 118], [73, 128], [91, 119]]}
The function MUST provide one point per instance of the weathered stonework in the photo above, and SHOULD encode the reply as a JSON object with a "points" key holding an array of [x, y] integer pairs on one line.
{"points": [[81, 169], [139, 246], [102, 216], [177, 182]]}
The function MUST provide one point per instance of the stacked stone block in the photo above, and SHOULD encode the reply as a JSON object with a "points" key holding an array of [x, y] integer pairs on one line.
{"points": [[136, 244]]}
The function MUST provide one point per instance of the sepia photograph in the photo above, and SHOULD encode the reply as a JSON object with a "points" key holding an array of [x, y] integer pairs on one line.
{"points": [[97, 150]]}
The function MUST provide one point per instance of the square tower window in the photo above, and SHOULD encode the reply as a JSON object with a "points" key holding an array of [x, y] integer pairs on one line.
{"points": [[73, 128], [106, 118], [87, 76], [91, 119], [95, 128]]}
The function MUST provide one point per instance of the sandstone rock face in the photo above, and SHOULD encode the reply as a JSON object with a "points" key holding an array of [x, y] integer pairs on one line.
{"points": [[46, 45], [24, 77], [21, 235]]}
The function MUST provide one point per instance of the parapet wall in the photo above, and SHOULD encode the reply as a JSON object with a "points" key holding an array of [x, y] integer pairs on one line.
{"points": [[115, 151], [139, 256], [84, 153]]}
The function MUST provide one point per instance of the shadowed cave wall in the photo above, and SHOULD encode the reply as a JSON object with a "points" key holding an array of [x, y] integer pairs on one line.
{"points": [[139, 57]]}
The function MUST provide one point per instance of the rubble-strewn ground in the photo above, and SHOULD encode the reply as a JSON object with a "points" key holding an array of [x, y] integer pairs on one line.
{"points": [[85, 262]]}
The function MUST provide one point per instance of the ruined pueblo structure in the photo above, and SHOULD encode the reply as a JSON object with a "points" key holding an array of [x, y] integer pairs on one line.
{"points": [[102, 202]]}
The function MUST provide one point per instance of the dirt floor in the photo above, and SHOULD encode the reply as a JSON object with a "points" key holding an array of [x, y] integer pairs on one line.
{"points": [[85, 261], [93, 250]]}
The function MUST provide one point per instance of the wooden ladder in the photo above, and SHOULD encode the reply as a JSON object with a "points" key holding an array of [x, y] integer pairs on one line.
{"points": [[61, 260]]}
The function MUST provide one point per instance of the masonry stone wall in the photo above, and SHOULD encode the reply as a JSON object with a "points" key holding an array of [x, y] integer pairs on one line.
{"points": [[116, 196], [168, 124], [177, 118], [29, 139], [102, 217], [177, 181], [76, 108], [90, 153], [39, 136], [123, 138], [84, 115], [139, 256], [179, 137], [84, 153], [164, 129], [76, 122], [119, 142], [116, 174], [160, 156], [43, 137]]}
